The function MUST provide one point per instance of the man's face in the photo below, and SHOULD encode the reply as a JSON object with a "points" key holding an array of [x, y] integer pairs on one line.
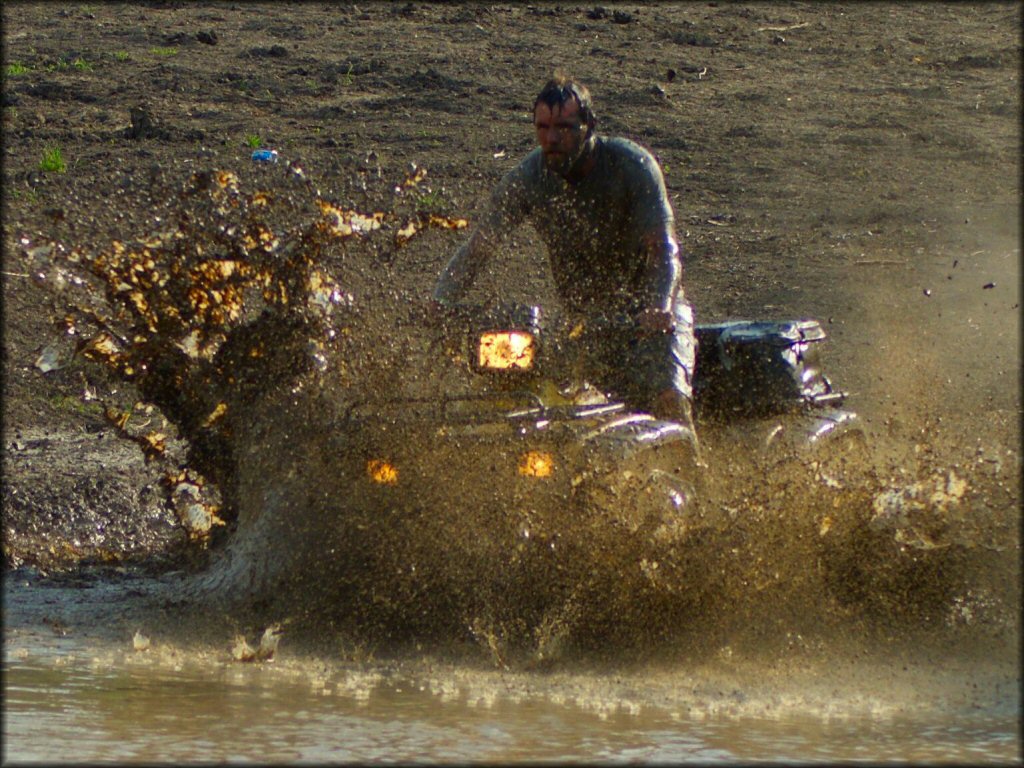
{"points": [[561, 134]]}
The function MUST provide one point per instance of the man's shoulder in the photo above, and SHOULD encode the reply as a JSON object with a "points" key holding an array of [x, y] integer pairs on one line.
{"points": [[530, 167], [636, 171], [521, 186], [630, 160], [527, 179], [526, 174], [627, 149]]}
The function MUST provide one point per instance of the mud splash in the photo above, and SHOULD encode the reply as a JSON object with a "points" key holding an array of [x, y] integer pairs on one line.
{"points": [[172, 703], [252, 319]]}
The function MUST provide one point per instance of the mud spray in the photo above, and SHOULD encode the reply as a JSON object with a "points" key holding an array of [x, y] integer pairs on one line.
{"points": [[264, 309]]}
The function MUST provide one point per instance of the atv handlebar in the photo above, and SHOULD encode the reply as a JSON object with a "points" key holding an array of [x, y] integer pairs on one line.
{"points": [[467, 315]]}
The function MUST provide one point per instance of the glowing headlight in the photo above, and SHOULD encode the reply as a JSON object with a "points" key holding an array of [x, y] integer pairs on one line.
{"points": [[536, 464], [382, 472], [506, 350]]}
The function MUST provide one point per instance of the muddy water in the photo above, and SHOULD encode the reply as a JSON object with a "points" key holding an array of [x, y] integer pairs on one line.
{"points": [[90, 695], [65, 704], [783, 678]]}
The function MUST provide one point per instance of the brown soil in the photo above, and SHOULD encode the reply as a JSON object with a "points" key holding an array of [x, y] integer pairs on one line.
{"points": [[858, 163]]}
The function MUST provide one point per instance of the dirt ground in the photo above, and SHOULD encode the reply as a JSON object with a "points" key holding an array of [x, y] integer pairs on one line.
{"points": [[858, 163]]}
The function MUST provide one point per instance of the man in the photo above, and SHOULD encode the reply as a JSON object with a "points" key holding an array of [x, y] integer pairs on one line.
{"points": [[600, 206]]}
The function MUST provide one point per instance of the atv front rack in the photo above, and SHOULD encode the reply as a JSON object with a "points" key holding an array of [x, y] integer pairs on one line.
{"points": [[495, 405]]}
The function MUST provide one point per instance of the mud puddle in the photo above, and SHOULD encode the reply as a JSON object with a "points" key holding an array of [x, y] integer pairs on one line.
{"points": [[71, 698], [116, 666]]}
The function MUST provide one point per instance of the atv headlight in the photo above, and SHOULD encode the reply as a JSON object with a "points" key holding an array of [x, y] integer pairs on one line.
{"points": [[536, 464], [506, 350], [383, 472]]}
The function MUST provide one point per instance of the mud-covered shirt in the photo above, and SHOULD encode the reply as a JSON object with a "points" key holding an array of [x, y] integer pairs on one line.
{"points": [[593, 229]]}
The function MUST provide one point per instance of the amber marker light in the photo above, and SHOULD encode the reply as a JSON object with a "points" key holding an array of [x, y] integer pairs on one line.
{"points": [[536, 464], [382, 472]]}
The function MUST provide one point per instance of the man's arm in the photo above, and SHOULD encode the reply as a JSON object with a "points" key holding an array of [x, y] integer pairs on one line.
{"points": [[462, 269], [506, 209], [664, 271], [662, 278], [659, 250]]}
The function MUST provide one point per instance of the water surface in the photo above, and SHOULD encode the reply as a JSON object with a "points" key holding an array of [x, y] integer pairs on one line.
{"points": [[68, 699]]}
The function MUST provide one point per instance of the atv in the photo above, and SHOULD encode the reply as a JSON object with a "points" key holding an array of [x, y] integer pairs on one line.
{"points": [[485, 482], [521, 419]]}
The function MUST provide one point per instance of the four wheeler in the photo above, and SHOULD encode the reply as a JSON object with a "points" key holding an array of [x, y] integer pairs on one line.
{"points": [[484, 481], [519, 427]]}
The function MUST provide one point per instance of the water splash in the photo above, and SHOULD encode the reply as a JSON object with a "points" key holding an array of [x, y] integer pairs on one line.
{"points": [[252, 319]]}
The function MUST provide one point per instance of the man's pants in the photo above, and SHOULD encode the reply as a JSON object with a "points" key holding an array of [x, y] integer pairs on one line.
{"points": [[653, 373]]}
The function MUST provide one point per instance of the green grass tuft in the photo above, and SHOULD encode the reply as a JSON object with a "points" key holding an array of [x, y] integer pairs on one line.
{"points": [[431, 201], [53, 161]]}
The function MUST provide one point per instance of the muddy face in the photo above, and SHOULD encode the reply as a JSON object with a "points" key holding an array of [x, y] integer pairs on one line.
{"points": [[562, 135]]}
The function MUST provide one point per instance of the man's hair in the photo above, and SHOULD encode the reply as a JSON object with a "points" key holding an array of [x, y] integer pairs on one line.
{"points": [[560, 89]]}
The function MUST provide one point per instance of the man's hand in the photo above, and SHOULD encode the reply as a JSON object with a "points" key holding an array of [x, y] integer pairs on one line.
{"points": [[654, 321]]}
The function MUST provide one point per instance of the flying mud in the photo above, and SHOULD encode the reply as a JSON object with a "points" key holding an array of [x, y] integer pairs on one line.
{"points": [[253, 311]]}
